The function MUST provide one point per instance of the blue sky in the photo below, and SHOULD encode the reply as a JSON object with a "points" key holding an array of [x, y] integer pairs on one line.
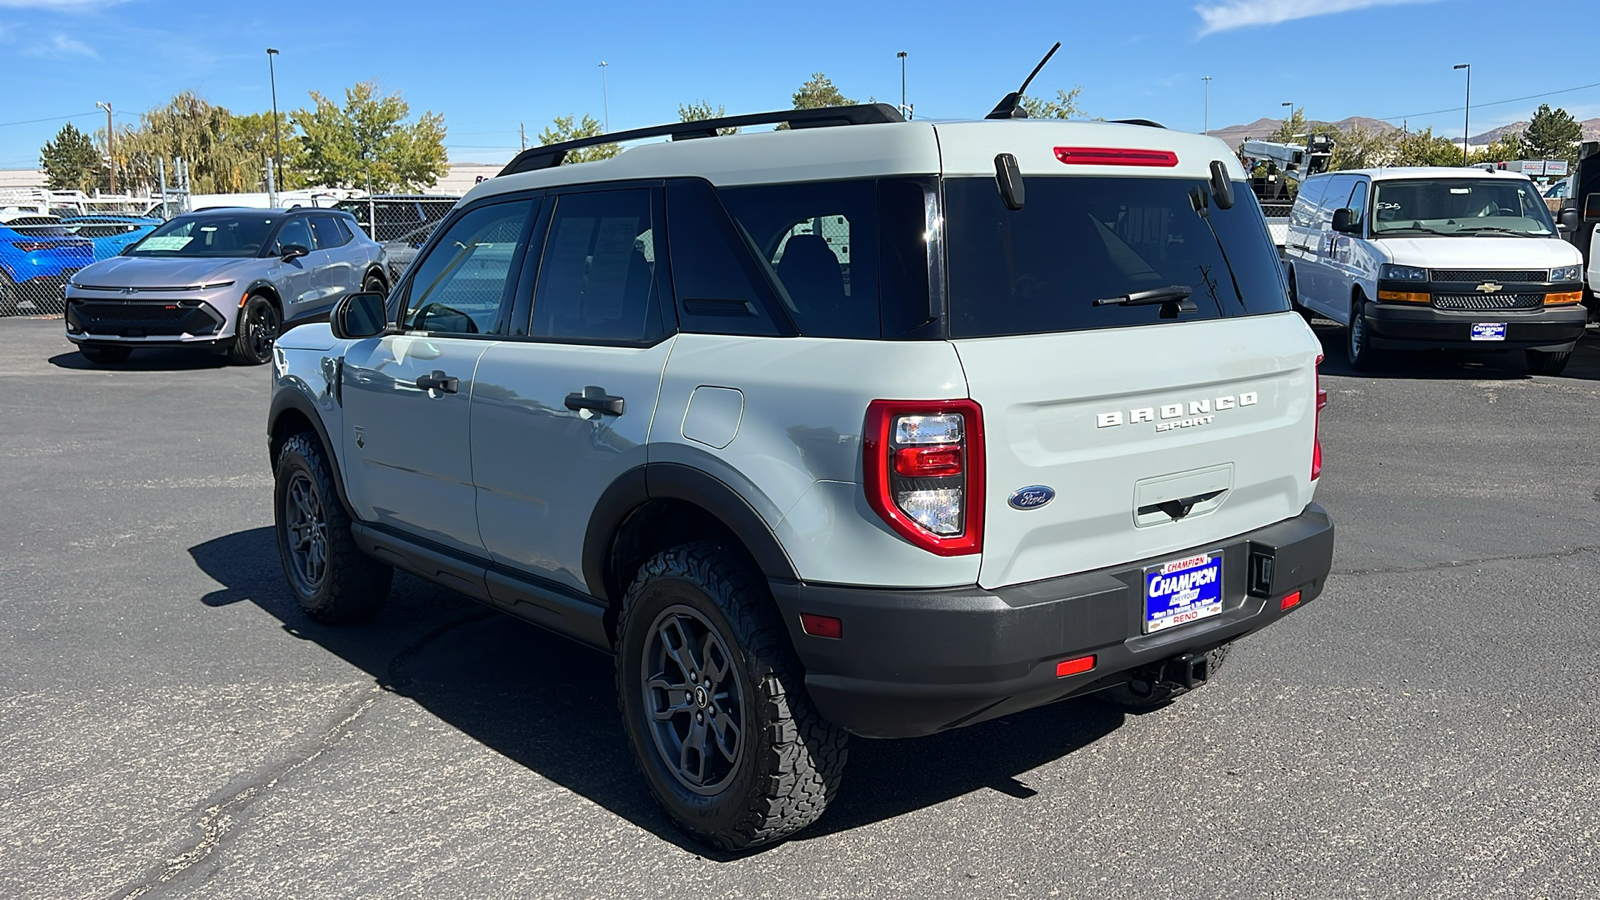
{"points": [[490, 66]]}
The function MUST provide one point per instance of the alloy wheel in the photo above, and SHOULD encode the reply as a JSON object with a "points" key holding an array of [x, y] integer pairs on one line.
{"points": [[693, 693], [307, 528]]}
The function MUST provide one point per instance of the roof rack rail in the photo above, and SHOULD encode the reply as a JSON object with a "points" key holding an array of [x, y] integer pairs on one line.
{"points": [[1145, 122], [551, 155]]}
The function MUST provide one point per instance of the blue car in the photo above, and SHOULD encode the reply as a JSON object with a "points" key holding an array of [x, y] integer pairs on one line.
{"points": [[109, 234], [37, 255]]}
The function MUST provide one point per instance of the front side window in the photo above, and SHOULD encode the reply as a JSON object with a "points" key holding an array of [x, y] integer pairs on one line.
{"points": [[460, 286], [1459, 206], [597, 279], [327, 232], [1081, 239], [1358, 202], [295, 232], [207, 236]]}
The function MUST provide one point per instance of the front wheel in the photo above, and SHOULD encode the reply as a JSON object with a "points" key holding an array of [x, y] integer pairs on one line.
{"points": [[714, 703], [327, 573], [1541, 362], [1357, 349], [375, 285], [256, 332]]}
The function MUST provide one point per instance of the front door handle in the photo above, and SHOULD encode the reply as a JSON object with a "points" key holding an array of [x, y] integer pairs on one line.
{"points": [[438, 381], [596, 399]]}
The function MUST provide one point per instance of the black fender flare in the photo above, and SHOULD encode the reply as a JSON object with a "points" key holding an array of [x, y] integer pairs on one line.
{"points": [[282, 402], [675, 481]]}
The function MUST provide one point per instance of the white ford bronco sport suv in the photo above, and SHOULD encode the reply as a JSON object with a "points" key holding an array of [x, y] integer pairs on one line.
{"points": [[863, 426]]}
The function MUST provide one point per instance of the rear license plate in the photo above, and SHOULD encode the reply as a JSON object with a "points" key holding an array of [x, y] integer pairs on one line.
{"points": [[1182, 591], [1488, 331]]}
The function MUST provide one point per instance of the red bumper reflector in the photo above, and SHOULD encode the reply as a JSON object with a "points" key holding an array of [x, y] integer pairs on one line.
{"points": [[1290, 601], [1116, 156], [1074, 666], [821, 626]]}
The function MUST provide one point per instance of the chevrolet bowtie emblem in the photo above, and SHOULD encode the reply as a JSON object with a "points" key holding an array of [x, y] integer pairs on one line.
{"points": [[1489, 287]]}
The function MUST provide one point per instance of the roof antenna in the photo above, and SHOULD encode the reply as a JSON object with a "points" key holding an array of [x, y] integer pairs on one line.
{"points": [[1011, 106]]}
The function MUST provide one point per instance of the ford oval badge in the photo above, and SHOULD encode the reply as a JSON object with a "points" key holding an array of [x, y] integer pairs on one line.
{"points": [[1032, 497]]}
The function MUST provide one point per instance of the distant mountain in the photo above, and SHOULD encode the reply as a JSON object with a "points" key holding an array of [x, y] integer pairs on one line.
{"points": [[1234, 135], [1591, 131]]}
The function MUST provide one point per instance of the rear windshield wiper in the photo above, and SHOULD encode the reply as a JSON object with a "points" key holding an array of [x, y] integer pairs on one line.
{"points": [[1173, 299]]}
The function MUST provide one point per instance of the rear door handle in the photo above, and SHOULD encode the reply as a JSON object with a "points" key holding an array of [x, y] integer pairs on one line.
{"points": [[438, 381], [596, 399]]}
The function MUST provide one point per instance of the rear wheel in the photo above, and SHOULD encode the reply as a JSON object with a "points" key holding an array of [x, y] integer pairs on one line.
{"points": [[375, 285], [714, 702], [256, 332], [1138, 696], [1357, 350], [327, 573], [1541, 362], [105, 354]]}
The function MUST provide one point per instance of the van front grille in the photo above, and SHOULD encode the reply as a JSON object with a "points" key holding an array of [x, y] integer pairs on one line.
{"points": [[1490, 275], [1485, 302]]}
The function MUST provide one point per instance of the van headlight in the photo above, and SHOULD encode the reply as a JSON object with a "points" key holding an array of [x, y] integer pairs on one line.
{"points": [[1566, 273], [1392, 272]]}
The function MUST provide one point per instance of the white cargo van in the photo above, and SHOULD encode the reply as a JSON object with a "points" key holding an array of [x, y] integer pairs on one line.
{"points": [[1436, 258]]}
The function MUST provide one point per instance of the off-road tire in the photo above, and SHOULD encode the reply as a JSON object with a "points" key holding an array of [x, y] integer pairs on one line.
{"points": [[352, 585], [1143, 696], [255, 332], [791, 758], [1541, 362], [103, 355]]}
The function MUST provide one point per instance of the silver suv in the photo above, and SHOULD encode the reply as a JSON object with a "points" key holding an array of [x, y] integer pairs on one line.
{"points": [[863, 426], [228, 280]]}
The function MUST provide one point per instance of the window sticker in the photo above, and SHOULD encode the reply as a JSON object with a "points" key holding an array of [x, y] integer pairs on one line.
{"points": [[166, 242]]}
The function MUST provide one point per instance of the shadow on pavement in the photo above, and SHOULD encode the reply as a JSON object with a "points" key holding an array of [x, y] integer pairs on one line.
{"points": [[153, 360], [1442, 365], [550, 704]]}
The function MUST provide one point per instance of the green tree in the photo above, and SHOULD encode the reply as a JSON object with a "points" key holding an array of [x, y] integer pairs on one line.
{"points": [[367, 141], [252, 134], [567, 128], [1361, 148], [191, 129], [1065, 106], [1424, 148], [1509, 145], [1553, 134], [818, 93], [701, 111], [71, 162]]}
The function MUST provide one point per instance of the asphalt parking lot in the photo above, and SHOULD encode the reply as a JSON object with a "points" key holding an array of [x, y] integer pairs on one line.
{"points": [[171, 726]]}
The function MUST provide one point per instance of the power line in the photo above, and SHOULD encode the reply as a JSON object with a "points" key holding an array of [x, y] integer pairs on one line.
{"points": [[1452, 109], [51, 119]]}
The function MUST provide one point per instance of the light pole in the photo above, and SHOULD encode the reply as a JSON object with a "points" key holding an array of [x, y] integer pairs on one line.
{"points": [[1466, 122], [1205, 127], [277, 138], [111, 147], [605, 94], [902, 57]]}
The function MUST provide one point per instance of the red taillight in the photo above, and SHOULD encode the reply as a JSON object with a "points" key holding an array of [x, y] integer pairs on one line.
{"points": [[1289, 601], [1074, 666], [1116, 156], [821, 626], [928, 462], [1316, 433], [922, 464]]}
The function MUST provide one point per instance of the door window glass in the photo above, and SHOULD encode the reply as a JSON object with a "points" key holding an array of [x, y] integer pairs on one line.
{"points": [[294, 231], [327, 232], [1358, 203], [718, 285], [597, 279], [459, 287]]}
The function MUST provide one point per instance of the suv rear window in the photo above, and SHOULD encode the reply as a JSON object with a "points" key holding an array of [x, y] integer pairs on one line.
{"points": [[1077, 240]]}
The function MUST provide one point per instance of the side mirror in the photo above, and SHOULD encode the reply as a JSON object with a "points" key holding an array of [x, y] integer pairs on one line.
{"points": [[359, 316], [1344, 221], [293, 251], [1569, 219], [1591, 208]]}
